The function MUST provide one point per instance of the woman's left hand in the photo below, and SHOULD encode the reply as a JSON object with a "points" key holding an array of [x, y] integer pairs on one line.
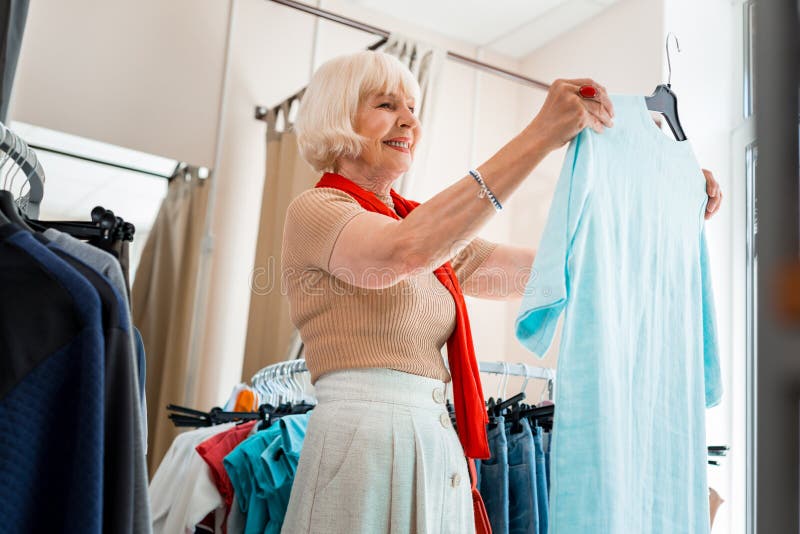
{"points": [[714, 194]]}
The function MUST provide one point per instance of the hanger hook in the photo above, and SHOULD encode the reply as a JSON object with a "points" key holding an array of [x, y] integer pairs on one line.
{"points": [[506, 371], [19, 160], [527, 377], [11, 157], [669, 63], [26, 156], [34, 163], [6, 154], [550, 384]]}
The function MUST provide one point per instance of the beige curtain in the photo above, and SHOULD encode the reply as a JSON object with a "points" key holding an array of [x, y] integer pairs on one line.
{"points": [[269, 329], [163, 300]]}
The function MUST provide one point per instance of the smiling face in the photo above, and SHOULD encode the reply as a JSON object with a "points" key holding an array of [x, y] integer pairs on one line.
{"points": [[391, 132]]}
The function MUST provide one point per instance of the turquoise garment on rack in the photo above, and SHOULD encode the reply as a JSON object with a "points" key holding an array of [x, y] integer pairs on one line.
{"points": [[623, 255], [262, 470]]}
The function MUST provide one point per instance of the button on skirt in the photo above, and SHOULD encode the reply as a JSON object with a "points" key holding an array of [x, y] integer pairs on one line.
{"points": [[380, 455]]}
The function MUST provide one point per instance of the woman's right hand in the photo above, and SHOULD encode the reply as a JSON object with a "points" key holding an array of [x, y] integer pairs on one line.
{"points": [[565, 113]]}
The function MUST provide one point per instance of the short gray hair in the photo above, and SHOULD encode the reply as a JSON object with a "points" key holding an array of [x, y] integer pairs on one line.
{"points": [[327, 113]]}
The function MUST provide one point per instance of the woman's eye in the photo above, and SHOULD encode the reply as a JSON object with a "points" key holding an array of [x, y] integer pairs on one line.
{"points": [[385, 104], [412, 109]]}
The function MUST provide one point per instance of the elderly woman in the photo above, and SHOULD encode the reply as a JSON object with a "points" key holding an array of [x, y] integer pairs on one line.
{"points": [[376, 285]]}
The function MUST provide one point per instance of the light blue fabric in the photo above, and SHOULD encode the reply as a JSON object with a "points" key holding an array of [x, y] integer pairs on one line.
{"points": [[523, 500], [624, 253]]}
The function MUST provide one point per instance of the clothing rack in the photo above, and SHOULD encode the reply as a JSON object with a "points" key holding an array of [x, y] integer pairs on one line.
{"points": [[287, 369], [200, 172], [261, 111], [14, 148]]}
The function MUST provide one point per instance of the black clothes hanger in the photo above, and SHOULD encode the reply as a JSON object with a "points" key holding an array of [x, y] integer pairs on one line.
{"points": [[664, 101], [541, 416], [183, 416], [503, 404], [10, 211], [269, 414], [102, 231], [3, 218]]}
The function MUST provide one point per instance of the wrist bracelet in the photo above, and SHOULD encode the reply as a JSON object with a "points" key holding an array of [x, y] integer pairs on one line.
{"points": [[485, 191]]}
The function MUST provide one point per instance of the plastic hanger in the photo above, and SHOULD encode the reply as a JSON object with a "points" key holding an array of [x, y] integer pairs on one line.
{"points": [[8, 205], [664, 101]]}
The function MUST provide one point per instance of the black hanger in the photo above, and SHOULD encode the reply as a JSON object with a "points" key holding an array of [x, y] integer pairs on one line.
{"points": [[541, 416], [182, 416], [102, 231], [718, 450], [513, 417], [3, 218], [503, 404], [269, 413], [9, 209], [664, 101]]}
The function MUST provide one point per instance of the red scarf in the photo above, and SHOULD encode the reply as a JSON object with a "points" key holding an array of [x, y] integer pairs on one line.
{"points": [[471, 417]]}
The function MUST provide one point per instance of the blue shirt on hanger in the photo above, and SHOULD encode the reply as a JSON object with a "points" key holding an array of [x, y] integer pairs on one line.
{"points": [[53, 366], [624, 255]]}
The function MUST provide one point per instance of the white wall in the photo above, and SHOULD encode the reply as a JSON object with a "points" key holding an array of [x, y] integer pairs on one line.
{"points": [[705, 77], [145, 75]]}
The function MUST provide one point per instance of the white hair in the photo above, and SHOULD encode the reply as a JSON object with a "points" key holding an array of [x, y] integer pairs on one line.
{"points": [[327, 113]]}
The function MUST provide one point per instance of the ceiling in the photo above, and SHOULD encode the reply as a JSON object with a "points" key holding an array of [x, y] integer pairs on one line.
{"points": [[514, 28]]}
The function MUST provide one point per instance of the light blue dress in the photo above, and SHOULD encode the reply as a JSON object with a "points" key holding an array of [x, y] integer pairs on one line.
{"points": [[624, 256]]}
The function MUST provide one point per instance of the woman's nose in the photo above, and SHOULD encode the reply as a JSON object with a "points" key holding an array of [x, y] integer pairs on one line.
{"points": [[408, 120]]}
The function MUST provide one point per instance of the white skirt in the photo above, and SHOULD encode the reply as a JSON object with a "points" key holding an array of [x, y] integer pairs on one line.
{"points": [[380, 455]]}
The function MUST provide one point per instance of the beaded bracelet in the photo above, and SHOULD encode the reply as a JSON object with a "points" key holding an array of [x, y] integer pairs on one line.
{"points": [[485, 191]]}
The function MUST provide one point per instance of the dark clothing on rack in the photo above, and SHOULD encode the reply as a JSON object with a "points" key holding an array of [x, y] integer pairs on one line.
{"points": [[109, 266], [121, 251], [121, 477], [52, 397], [141, 361], [119, 418]]}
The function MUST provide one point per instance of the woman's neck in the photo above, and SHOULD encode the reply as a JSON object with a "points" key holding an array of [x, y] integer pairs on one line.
{"points": [[376, 182]]}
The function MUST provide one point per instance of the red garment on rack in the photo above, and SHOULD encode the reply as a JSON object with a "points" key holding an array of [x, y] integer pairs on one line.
{"points": [[213, 450]]}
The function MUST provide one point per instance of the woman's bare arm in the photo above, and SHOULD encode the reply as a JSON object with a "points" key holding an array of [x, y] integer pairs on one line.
{"points": [[439, 228]]}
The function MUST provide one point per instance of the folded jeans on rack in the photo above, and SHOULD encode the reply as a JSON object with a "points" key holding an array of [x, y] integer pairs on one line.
{"points": [[542, 480], [494, 478], [523, 501]]}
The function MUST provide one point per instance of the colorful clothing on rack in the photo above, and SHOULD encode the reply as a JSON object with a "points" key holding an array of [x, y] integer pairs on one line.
{"points": [[624, 253], [261, 471], [182, 491], [213, 451]]}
